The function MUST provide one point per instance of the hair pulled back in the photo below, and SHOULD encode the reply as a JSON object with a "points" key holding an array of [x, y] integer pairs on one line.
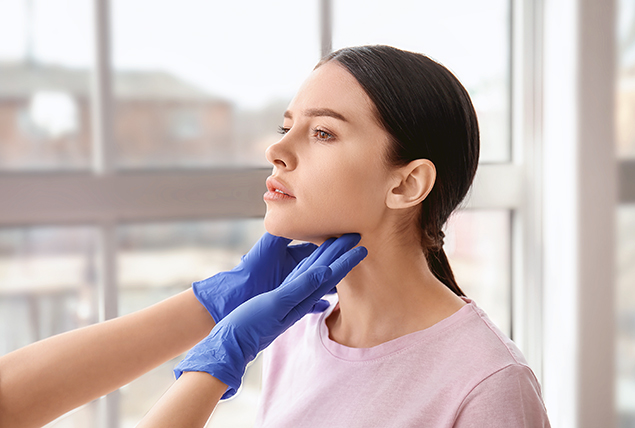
{"points": [[428, 115]]}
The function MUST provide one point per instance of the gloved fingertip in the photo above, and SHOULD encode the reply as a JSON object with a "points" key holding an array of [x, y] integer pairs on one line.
{"points": [[363, 251], [320, 306], [356, 255]]}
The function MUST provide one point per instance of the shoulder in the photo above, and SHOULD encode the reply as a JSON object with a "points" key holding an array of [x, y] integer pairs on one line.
{"points": [[504, 391], [485, 342], [508, 397]]}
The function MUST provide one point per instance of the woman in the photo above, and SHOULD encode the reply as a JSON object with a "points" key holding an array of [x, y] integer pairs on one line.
{"points": [[383, 143]]}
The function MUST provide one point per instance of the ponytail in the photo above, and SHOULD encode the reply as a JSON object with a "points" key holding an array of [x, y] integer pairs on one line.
{"points": [[440, 267], [432, 239]]}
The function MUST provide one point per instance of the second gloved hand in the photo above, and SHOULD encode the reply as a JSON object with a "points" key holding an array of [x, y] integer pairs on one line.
{"points": [[262, 269], [250, 328]]}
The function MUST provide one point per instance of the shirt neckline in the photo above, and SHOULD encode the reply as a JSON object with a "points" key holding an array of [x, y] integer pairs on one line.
{"points": [[392, 346]]}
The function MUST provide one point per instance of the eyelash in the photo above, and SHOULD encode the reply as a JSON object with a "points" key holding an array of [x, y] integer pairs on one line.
{"points": [[314, 131]]}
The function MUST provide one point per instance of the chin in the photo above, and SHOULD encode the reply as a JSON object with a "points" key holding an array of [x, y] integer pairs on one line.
{"points": [[298, 233]]}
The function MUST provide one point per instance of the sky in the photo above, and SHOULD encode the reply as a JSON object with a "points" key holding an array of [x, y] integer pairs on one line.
{"points": [[253, 52]]}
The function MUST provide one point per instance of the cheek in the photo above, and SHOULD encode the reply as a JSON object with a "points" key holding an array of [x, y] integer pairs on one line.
{"points": [[349, 194]]}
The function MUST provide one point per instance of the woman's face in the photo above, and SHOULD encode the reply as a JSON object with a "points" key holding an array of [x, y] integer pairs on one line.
{"points": [[330, 163]]}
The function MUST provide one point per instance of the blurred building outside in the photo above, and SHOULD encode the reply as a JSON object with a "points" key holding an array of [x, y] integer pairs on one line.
{"points": [[159, 119]]}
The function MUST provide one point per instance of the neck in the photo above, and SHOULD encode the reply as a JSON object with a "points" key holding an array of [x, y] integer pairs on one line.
{"points": [[390, 294]]}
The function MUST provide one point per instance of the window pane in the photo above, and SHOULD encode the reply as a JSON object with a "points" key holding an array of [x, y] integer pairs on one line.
{"points": [[48, 286], [202, 83], [625, 96], [156, 261], [625, 307], [478, 246], [44, 84], [625, 233], [471, 38]]}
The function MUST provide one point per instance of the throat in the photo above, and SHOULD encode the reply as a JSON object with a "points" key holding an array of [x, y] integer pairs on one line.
{"points": [[359, 325]]}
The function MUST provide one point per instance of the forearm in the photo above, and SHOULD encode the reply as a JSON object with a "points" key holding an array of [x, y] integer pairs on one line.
{"points": [[188, 403], [48, 378]]}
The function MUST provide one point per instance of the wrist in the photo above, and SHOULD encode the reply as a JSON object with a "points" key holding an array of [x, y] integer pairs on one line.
{"points": [[218, 355], [197, 310]]}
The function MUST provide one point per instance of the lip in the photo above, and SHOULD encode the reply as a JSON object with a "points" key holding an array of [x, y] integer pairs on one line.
{"points": [[274, 187]]}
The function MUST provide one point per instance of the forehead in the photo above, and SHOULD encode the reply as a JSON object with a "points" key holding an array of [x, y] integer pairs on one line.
{"points": [[331, 86]]}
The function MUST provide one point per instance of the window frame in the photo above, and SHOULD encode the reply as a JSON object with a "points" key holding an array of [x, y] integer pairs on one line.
{"points": [[104, 196]]}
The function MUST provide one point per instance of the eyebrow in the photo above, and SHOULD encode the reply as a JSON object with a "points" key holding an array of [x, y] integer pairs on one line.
{"points": [[316, 112]]}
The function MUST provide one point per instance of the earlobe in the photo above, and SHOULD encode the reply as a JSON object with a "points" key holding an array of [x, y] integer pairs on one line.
{"points": [[413, 183]]}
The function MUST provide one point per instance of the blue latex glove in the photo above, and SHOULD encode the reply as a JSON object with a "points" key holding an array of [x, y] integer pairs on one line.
{"points": [[262, 269], [239, 337]]}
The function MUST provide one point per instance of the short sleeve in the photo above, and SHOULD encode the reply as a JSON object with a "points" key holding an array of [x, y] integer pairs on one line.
{"points": [[508, 398]]}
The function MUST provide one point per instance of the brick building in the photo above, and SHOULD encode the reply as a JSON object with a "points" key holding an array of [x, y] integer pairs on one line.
{"points": [[159, 120]]}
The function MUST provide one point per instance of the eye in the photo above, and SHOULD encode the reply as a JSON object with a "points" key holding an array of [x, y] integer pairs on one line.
{"points": [[322, 135], [282, 130]]}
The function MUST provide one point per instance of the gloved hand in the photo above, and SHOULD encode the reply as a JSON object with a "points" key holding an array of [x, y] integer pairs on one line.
{"points": [[250, 328], [262, 269]]}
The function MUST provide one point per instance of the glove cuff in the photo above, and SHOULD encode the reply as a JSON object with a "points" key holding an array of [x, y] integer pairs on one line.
{"points": [[207, 293], [221, 356], [231, 380]]}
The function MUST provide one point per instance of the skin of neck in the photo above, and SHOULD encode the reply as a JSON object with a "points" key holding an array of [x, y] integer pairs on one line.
{"points": [[391, 293]]}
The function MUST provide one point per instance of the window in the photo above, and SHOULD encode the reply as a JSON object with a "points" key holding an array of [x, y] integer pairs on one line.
{"points": [[158, 260], [231, 67], [45, 70], [626, 80], [625, 227], [470, 38], [165, 186]]}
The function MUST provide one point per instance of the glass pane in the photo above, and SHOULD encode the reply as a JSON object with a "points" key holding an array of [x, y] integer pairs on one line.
{"points": [[625, 96], [478, 246], [156, 261], [45, 57], [625, 307], [48, 286], [208, 85], [471, 38]]}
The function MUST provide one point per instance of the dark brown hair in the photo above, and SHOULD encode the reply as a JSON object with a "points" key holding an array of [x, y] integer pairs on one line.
{"points": [[428, 115]]}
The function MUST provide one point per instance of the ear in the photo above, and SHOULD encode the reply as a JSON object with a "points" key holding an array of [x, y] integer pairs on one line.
{"points": [[412, 184]]}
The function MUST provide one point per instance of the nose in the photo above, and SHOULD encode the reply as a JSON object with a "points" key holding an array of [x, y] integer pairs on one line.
{"points": [[280, 154]]}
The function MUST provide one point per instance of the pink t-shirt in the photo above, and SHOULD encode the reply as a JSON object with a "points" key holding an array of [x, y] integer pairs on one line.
{"points": [[461, 372]]}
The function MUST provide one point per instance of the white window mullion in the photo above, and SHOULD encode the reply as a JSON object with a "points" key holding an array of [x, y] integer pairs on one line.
{"points": [[103, 145], [103, 166], [102, 95], [326, 27], [527, 152]]}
